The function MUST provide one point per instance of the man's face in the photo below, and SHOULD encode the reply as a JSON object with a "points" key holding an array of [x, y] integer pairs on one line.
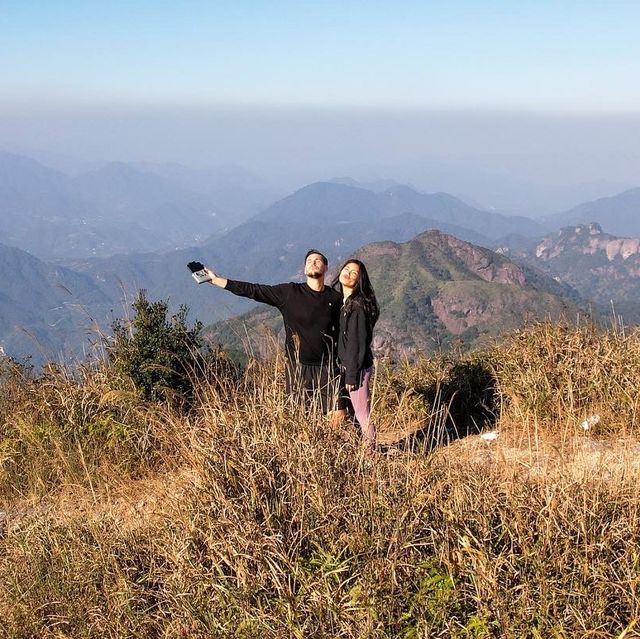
{"points": [[314, 266]]}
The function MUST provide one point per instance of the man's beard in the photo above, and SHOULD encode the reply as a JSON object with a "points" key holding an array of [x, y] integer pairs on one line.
{"points": [[315, 275]]}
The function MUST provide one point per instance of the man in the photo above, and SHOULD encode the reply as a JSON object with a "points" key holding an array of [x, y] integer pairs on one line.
{"points": [[311, 314]]}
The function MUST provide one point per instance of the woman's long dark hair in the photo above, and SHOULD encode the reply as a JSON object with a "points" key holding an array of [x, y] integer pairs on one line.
{"points": [[363, 293]]}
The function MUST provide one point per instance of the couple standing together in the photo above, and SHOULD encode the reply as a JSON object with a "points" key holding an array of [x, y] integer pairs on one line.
{"points": [[321, 322]]}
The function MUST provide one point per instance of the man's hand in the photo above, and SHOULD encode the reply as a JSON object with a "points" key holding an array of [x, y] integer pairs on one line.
{"points": [[215, 280]]}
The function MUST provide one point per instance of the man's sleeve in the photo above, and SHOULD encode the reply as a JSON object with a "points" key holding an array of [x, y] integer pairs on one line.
{"points": [[266, 294]]}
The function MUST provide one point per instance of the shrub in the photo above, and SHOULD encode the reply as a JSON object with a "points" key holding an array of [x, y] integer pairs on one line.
{"points": [[159, 354]]}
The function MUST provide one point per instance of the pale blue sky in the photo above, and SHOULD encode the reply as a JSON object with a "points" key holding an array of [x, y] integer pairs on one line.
{"points": [[572, 56], [541, 92]]}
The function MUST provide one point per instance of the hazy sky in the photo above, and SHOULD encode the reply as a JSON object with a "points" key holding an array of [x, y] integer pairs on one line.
{"points": [[576, 55], [543, 91]]}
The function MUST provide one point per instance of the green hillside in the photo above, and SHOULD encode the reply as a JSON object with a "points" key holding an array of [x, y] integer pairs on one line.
{"points": [[434, 291]]}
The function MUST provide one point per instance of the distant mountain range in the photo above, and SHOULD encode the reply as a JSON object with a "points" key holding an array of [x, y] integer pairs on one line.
{"points": [[116, 204], [434, 290], [269, 247], [618, 214], [46, 310], [336, 203], [485, 186], [118, 207], [122, 207]]}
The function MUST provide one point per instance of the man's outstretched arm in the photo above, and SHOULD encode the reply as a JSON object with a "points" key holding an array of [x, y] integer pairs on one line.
{"points": [[264, 293]]}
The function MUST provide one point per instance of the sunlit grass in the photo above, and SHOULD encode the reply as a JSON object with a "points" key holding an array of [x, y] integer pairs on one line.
{"points": [[250, 517]]}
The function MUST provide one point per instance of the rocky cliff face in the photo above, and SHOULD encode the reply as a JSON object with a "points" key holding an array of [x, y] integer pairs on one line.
{"points": [[600, 266], [437, 288], [587, 239], [483, 263]]}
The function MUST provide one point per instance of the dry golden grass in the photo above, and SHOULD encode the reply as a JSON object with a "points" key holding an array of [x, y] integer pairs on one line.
{"points": [[249, 517], [553, 377]]}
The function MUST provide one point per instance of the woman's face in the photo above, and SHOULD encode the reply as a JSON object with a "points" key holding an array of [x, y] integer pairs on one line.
{"points": [[350, 275]]}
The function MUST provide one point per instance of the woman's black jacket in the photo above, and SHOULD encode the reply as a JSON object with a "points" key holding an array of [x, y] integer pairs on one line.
{"points": [[354, 341]]}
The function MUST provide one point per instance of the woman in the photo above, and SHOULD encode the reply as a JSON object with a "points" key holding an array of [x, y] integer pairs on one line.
{"points": [[359, 314]]}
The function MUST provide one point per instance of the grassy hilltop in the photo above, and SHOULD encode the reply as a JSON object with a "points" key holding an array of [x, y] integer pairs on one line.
{"points": [[239, 515]]}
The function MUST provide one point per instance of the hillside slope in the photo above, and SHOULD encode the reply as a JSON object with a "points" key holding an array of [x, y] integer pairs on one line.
{"points": [[46, 310], [434, 291]]}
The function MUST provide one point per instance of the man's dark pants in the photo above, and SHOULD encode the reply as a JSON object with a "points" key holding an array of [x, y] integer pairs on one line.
{"points": [[318, 385]]}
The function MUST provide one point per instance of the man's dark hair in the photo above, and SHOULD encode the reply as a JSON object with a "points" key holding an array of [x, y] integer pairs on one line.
{"points": [[312, 251]]}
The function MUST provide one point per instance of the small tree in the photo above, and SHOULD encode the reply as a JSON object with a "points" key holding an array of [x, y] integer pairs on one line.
{"points": [[158, 353]]}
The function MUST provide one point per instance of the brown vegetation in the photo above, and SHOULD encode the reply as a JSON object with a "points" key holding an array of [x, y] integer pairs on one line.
{"points": [[248, 517]]}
